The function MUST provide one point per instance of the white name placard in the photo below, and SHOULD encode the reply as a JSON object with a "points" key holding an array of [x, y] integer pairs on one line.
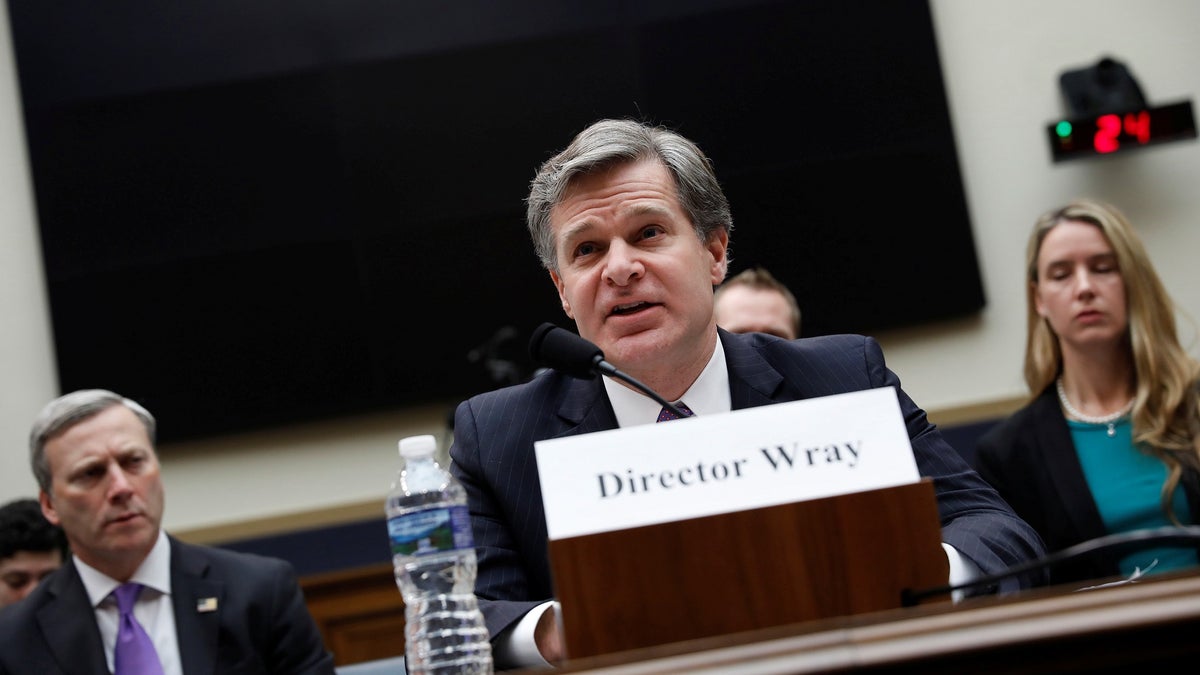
{"points": [[710, 464]]}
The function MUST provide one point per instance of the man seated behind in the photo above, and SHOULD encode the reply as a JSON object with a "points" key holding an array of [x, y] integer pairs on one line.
{"points": [[133, 599], [31, 547], [754, 301]]}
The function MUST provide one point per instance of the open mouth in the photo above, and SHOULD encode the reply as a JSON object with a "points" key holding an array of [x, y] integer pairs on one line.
{"points": [[630, 308]]}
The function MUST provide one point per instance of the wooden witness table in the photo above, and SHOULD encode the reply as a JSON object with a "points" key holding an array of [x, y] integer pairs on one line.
{"points": [[825, 599], [1154, 622]]}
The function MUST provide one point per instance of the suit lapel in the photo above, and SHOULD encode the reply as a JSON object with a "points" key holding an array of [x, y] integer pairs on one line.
{"points": [[584, 408], [69, 624], [752, 381], [198, 602]]}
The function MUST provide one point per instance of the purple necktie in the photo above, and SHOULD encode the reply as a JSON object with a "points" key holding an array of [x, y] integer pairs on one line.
{"points": [[666, 415], [134, 652]]}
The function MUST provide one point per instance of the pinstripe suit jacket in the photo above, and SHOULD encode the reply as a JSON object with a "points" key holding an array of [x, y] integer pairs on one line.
{"points": [[493, 456]]}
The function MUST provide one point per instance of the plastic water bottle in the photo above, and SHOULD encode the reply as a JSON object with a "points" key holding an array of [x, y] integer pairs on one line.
{"points": [[433, 555]]}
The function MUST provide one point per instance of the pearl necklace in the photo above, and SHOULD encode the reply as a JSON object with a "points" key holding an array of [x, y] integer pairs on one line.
{"points": [[1109, 419]]}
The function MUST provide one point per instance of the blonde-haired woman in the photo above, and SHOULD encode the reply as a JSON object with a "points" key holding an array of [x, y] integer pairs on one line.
{"points": [[1110, 440]]}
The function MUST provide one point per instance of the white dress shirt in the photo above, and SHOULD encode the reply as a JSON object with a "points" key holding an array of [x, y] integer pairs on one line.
{"points": [[154, 609], [708, 395]]}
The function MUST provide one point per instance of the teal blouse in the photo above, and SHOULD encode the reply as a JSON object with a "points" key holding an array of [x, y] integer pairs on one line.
{"points": [[1126, 484]]}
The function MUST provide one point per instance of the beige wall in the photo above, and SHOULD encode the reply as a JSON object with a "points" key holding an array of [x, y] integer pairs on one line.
{"points": [[27, 371], [1001, 61]]}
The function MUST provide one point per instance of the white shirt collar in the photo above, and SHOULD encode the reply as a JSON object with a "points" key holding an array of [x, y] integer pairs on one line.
{"points": [[708, 395], [154, 572]]}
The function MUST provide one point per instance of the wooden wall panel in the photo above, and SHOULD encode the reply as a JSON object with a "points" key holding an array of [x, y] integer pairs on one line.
{"points": [[360, 612]]}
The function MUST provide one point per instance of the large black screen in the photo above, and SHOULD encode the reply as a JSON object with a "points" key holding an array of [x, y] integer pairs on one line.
{"points": [[255, 213]]}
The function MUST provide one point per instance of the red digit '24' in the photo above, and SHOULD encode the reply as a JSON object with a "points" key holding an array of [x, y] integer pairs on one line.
{"points": [[1109, 128]]}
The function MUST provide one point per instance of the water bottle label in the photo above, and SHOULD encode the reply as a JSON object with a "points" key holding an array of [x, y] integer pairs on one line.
{"points": [[431, 531]]}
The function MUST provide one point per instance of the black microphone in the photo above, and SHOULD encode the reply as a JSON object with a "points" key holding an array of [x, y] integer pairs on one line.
{"points": [[562, 350]]}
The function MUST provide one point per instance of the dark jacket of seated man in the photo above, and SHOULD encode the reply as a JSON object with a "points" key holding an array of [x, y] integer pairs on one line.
{"points": [[493, 456]]}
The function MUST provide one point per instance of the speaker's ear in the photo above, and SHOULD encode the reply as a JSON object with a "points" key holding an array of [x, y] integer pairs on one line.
{"points": [[1106, 87]]}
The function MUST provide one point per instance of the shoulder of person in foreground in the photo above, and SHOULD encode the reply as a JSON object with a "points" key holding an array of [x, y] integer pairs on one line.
{"points": [[254, 588], [828, 355], [518, 409]]}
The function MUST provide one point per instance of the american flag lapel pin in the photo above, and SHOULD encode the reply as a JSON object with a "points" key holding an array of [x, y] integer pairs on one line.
{"points": [[206, 605]]}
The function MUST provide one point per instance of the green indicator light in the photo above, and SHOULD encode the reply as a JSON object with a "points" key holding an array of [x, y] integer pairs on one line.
{"points": [[1063, 129]]}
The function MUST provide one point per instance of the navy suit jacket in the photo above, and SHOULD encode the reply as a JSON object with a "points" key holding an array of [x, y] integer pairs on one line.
{"points": [[493, 457], [260, 624], [1031, 460]]}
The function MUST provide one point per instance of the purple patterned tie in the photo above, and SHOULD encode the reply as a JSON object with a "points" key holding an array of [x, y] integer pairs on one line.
{"points": [[666, 415], [134, 652]]}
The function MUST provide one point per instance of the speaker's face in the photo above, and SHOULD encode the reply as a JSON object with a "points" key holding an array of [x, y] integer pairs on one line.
{"points": [[633, 274]]}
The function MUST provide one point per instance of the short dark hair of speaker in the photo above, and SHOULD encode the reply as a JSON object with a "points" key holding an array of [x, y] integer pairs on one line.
{"points": [[1106, 87]]}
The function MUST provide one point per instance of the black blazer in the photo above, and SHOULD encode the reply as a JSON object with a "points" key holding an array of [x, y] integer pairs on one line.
{"points": [[1031, 461], [261, 624], [493, 457]]}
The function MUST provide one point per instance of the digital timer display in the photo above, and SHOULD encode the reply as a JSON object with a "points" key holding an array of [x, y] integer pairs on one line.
{"points": [[1114, 132]]}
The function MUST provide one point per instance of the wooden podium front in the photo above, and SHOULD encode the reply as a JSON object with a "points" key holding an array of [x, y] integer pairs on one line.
{"points": [[733, 572]]}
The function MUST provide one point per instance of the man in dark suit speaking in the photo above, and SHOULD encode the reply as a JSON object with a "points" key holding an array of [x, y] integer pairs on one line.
{"points": [[132, 599], [634, 229]]}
